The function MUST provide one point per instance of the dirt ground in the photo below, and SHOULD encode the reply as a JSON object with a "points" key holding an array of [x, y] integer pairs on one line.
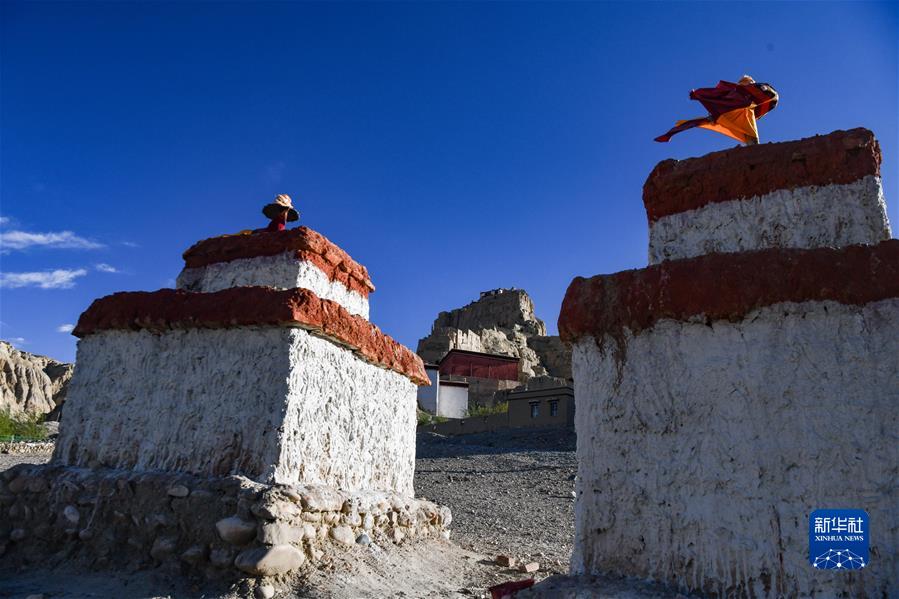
{"points": [[510, 493]]}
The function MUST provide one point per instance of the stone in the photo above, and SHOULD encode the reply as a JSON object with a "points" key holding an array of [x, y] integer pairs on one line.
{"points": [[85, 534], [308, 531], [275, 510], [70, 513], [270, 561], [350, 506], [264, 591], [163, 547], [179, 491], [20, 511], [194, 554], [368, 522], [353, 520], [17, 534], [276, 533], [322, 499], [17, 485], [235, 530], [221, 557], [529, 568], [446, 516], [37, 484], [343, 534], [398, 535], [292, 495], [505, 561], [363, 539]]}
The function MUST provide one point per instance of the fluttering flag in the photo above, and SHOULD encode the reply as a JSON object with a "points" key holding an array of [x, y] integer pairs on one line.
{"points": [[733, 109]]}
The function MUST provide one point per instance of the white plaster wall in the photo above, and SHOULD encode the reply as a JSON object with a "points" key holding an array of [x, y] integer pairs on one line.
{"points": [[703, 449], [349, 423], [274, 404], [429, 396], [453, 401], [805, 217], [202, 401], [282, 271]]}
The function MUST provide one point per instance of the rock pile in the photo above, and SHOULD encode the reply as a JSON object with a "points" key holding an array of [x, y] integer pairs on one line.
{"points": [[212, 526], [31, 384], [717, 387]]}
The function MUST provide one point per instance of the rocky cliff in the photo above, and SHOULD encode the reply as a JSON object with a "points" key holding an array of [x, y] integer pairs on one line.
{"points": [[31, 384], [500, 322]]}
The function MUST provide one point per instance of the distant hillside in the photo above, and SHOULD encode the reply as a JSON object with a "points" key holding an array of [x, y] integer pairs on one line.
{"points": [[31, 384]]}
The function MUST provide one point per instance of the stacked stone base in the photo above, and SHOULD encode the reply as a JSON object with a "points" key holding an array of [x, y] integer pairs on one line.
{"points": [[218, 527]]}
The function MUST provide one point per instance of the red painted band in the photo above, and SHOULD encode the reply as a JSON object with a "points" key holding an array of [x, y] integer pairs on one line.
{"points": [[303, 242], [727, 287], [679, 185], [168, 309]]}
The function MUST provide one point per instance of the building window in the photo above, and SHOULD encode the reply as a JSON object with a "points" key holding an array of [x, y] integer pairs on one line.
{"points": [[554, 407], [535, 408]]}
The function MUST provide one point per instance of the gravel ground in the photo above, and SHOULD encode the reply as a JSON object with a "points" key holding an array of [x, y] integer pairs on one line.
{"points": [[8, 460], [510, 491]]}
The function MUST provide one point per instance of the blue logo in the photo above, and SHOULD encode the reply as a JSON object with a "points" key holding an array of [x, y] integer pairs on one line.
{"points": [[838, 539]]}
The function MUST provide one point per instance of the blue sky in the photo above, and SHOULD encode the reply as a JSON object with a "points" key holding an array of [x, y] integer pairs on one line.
{"points": [[451, 148]]}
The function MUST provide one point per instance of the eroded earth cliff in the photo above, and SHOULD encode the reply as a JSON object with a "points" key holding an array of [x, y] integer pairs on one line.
{"points": [[31, 384]]}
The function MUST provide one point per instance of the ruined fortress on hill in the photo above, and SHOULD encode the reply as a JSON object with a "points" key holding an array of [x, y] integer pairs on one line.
{"points": [[500, 322]]}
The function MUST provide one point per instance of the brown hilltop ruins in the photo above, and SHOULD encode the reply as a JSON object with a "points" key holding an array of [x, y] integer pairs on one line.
{"points": [[502, 322]]}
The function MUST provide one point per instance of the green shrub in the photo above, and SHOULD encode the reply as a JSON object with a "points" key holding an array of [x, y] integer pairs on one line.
{"points": [[21, 427], [424, 418], [500, 408]]}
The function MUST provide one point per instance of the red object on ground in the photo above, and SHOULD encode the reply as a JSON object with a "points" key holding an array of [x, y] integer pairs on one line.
{"points": [[168, 309], [508, 589]]}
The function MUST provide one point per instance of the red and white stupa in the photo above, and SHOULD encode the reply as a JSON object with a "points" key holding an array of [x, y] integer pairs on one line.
{"points": [[746, 377], [262, 363]]}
